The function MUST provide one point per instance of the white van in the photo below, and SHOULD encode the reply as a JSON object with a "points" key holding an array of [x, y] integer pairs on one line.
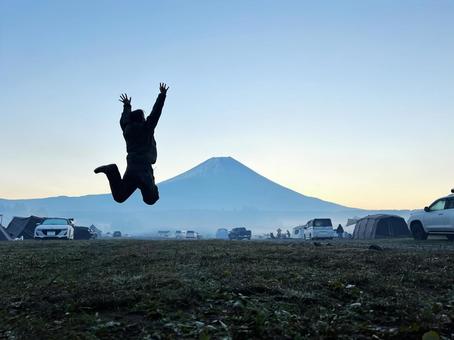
{"points": [[298, 232], [55, 228], [319, 228], [190, 235]]}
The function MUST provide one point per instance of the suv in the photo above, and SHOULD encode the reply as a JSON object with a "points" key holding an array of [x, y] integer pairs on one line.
{"points": [[240, 234], [436, 219], [55, 228]]}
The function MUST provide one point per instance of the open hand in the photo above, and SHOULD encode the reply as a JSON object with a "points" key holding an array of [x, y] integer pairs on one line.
{"points": [[125, 100], [163, 88]]}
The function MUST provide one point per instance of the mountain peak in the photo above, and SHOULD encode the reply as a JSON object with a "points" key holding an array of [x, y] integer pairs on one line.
{"points": [[220, 162], [225, 183], [214, 166]]}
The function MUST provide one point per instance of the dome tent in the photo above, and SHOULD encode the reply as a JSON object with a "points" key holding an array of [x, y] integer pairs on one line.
{"points": [[3, 234], [23, 227], [381, 226]]}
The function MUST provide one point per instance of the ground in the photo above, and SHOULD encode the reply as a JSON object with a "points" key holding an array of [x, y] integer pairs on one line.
{"points": [[221, 289]]}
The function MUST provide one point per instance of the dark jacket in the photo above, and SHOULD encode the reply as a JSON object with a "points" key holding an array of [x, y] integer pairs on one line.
{"points": [[139, 132]]}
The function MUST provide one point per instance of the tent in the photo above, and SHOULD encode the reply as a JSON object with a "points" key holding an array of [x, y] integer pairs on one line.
{"points": [[97, 232], [381, 226], [23, 227], [3, 234], [82, 233]]}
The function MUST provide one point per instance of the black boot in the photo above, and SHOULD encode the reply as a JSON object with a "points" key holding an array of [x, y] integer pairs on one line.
{"points": [[107, 169]]}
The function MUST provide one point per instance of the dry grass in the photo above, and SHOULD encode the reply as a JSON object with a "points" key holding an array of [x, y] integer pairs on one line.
{"points": [[212, 289]]}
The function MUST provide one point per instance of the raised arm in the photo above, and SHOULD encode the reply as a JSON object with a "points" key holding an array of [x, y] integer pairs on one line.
{"points": [[153, 118], [124, 120]]}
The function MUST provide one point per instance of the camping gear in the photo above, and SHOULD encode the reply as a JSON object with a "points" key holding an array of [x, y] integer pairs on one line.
{"points": [[23, 227], [381, 226], [82, 233]]}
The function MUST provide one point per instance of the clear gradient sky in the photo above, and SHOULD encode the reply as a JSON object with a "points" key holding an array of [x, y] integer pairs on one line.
{"points": [[348, 101]]}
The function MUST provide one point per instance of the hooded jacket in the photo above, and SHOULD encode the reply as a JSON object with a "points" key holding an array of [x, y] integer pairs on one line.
{"points": [[139, 132]]}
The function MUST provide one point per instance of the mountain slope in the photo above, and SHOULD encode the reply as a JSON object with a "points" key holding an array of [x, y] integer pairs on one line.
{"points": [[218, 192], [226, 184]]}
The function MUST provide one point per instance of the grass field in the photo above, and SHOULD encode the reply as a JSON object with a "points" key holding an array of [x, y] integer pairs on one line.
{"points": [[219, 289]]}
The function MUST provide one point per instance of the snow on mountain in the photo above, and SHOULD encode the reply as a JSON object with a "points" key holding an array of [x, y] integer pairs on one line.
{"points": [[224, 183]]}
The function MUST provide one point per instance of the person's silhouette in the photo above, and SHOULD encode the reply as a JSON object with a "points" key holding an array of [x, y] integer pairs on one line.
{"points": [[141, 147]]}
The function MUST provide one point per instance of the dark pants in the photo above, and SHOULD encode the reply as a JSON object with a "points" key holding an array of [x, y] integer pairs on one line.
{"points": [[137, 176]]}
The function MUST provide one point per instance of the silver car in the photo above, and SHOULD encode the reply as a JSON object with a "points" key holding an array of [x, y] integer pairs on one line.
{"points": [[436, 219]]}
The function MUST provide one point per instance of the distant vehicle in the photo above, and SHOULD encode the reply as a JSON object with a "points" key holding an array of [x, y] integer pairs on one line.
{"points": [[319, 228], [298, 232], [190, 235], [116, 234], [179, 234], [240, 234], [222, 234], [55, 228], [436, 219], [163, 233]]}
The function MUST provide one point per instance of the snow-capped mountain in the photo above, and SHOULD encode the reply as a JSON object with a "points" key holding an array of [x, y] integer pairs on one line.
{"points": [[220, 192]]}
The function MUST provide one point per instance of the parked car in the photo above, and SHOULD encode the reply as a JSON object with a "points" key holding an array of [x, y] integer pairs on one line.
{"points": [[240, 233], [163, 234], [190, 235], [222, 234], [436, 219], [55, 228], [298, 231], [116, 234], [318, 228]]}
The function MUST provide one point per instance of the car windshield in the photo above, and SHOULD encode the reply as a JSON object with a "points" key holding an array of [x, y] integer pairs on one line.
{"points": [[55, 221], [323, 222]]}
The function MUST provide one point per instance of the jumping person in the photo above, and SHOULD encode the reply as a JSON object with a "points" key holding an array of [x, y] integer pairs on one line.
{"points": [[141, 147]]}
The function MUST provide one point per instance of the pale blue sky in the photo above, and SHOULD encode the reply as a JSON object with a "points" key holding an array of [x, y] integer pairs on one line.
{"points": [[349, 101]]}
